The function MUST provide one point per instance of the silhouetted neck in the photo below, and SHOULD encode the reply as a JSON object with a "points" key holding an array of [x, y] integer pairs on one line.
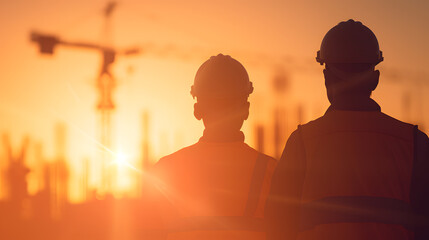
{"points": [[222, 136], [354, 103]]}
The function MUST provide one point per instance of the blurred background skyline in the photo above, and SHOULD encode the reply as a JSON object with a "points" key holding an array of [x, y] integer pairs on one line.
{"points": [[272, 39]]}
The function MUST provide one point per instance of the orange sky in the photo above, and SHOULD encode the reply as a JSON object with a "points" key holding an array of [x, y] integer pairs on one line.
{"points": [[38, 91]]}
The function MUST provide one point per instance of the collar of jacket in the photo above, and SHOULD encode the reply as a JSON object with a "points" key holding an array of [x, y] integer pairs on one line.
{"points": [[354, 103], [220, 136]]}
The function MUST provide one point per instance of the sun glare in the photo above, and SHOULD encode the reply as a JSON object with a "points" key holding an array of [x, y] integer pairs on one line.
{"points": [[122, 172], [121, 161]]}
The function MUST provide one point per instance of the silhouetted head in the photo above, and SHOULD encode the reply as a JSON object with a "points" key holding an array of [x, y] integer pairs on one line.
{"points": [[222, 88], [350, 52]]}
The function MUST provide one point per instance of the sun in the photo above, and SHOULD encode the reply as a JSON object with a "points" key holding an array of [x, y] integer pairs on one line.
{"points": [[122, 174], [121, 161]]}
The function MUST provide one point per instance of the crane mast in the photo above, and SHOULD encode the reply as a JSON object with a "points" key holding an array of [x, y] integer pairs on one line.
{"points": [[105, 85]]}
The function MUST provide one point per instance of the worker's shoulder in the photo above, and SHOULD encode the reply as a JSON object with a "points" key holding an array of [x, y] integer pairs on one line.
{"points": [[372, 120], [179, 153], [394, 120], [268, 158], [295, 136], [309, 125], [422, 138], [199, 149], [171, 162], [312, 122], [339, 115], [260, 154]]}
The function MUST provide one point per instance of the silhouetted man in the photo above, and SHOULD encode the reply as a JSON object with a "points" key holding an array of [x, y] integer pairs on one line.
{"points": [[217, 187], [354, 173]]}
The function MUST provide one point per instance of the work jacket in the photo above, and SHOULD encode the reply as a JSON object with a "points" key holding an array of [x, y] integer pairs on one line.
{"points": [[349, 175], [215, 190]]}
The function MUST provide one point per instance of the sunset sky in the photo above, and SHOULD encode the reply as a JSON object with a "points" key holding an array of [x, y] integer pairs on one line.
{"points": [[176, 37]]}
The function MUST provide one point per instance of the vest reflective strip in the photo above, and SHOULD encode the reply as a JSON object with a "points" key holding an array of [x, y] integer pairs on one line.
{"points": [[256, 183], [232, 223], [359, 209]]}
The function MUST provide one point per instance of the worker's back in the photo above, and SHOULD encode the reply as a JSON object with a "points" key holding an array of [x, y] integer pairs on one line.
{"points": [[358, 176], [216, 188], [213, 185], [354, 173]]}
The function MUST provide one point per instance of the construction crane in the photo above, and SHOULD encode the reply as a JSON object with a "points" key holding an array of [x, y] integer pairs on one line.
{"points": [[105, 82]]}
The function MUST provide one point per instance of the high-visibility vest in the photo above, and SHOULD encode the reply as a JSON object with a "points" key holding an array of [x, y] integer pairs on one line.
{"points": [[358, 177], [218, 191]]}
